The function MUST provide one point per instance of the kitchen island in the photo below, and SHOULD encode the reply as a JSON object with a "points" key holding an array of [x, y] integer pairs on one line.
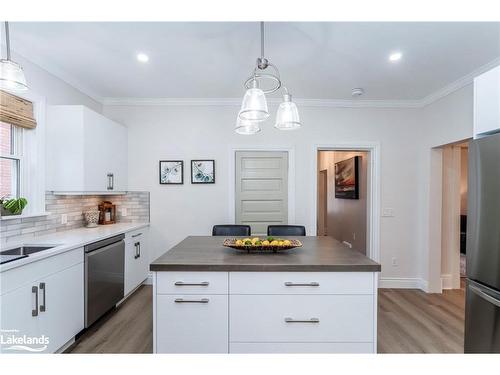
{"points": [[319, 298]]}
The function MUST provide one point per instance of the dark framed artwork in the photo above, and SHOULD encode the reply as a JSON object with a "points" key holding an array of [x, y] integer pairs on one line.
{"points": [[203, 171], [171, 172], [347, 178]]}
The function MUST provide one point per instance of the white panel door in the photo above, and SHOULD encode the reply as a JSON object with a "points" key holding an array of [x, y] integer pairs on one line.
{"points": [[261, 189]]}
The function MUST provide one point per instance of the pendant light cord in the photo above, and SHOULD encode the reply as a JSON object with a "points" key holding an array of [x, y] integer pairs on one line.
{"points": [[7, 39], [262, 39]]}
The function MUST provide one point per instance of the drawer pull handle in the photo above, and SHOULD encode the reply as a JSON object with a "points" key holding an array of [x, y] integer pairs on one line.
{"points": [[182, 283], [44, 306], [312, 320], [289, 283], [136, 235], [182, 300], [34, 290]]}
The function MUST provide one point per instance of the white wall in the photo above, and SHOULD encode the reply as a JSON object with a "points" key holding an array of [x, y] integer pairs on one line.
{"points": [[52, 88], [191, 132], [446, 121]]}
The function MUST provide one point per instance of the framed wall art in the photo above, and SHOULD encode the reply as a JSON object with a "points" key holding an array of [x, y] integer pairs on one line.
{"points": [[202, 171], [171, 172]]}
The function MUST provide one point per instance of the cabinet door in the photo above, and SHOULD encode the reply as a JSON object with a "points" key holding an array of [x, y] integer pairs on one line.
{"points": [[119, 156], [97, 158], [19, 316], [486, 102], [136, 260], [191, 324], [61, 301]]}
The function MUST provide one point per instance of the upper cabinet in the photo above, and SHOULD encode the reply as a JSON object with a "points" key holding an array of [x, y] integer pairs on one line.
{"points": [[487, 102], [86, 152]]}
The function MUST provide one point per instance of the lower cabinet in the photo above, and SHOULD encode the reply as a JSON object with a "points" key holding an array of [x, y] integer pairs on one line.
{"points": [[43, 314], [136, 259], [293, 312], [192, 324]]}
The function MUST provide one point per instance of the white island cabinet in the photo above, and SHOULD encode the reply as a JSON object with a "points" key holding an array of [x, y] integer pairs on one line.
{"points": [[209, 300]]}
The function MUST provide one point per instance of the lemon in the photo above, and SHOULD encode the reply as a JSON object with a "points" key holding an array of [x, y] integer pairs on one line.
{"points": [[280, 243], [265, 243], [286, 243], [239, 243], [274, 243], [246, 239], [254, 240]]}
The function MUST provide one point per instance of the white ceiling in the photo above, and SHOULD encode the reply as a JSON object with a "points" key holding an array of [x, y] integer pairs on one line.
{"points": [[211, 60]]}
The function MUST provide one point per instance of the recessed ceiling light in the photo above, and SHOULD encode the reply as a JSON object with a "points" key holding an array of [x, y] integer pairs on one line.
{"points": [[356, 92], [395, 56], [142, 57]]}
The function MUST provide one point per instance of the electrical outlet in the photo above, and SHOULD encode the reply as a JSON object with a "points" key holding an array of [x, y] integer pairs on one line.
{"points": [[64, 219], [388, 212], [394, 262], [124, 211]]}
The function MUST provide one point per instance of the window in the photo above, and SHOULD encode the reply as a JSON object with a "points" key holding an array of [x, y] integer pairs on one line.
{"points": [[10, 160]]}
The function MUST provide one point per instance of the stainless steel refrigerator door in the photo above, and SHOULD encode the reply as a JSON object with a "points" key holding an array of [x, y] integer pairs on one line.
{"points": [[483, 229], [482, 319], [104, 275]]}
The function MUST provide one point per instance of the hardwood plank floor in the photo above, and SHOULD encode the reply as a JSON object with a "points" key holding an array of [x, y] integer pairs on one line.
{"points": [[412, 321], [409, 321], [127, 329]]}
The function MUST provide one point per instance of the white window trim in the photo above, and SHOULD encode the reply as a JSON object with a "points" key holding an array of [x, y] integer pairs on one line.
{"points": [[32, 170]]}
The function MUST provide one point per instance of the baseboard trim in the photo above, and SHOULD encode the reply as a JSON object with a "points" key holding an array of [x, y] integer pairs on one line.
{"points": [[446, 282], [403, 283], [149, 280]]}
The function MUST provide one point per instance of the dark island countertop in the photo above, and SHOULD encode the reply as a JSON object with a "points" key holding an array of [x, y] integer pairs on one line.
{"points": [[317, 254]]}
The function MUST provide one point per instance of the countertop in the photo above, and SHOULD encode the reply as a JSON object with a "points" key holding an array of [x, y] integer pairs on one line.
{"points": [[68, 240], [320, 254]]}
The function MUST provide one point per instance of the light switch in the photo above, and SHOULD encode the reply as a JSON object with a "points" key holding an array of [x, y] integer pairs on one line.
{"points": [[124, 211], [387, 212]]}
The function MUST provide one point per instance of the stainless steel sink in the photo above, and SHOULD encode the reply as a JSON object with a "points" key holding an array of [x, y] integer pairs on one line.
{"points": [[25, 250]]}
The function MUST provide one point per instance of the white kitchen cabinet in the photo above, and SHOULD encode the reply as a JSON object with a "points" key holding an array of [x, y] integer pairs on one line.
{"points": [[61, 306], [265, 312], [487, 102], [86, 152], [136, 259], [192, 323], [44, 298]]}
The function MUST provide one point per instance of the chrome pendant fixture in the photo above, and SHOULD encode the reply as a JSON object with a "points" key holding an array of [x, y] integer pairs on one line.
{"points": [[265, 79], [11, 73]]}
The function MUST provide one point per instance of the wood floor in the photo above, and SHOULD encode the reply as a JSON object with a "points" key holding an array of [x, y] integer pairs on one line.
{"points": [[409, 321]]}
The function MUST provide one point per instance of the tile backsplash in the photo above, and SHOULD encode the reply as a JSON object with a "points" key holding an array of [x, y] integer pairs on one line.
{"points": [[136, 205]]}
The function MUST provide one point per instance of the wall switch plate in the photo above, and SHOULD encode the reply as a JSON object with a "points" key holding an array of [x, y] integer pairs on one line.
{"points": [[124, 211], [64, 219], [387, 212], [394, 262]]}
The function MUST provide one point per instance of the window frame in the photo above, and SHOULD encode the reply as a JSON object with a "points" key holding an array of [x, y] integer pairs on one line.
{"points": [[16, 153], [30, 151]]}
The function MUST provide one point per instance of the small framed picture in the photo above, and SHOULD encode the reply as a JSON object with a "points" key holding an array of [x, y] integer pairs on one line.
{"points": [[171, 172], [203, 171]]}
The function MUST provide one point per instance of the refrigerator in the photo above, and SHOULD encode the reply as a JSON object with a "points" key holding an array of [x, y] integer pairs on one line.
{"points": [[482, 309]]}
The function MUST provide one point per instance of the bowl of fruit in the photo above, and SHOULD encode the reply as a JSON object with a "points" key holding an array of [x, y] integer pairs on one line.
{"points": [[261, 245]]}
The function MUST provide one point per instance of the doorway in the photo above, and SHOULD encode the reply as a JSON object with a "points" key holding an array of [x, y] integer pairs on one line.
{"points": [[342, 196], [322, 222], [454, 214]]}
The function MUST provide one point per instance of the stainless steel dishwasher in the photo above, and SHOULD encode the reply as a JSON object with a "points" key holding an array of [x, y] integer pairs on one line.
{"points": [[104, 276]]}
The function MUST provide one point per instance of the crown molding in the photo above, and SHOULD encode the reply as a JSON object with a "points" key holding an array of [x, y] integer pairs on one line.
{"points": [[235, 102], [459, 83]]}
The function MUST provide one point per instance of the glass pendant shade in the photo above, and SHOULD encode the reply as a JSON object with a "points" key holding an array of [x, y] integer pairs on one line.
{"points": [[245, 127], [254, 106], [12, 76], [287, 117]]}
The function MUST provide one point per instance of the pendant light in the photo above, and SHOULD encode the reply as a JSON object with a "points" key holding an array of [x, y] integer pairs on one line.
{"points": [[245, 127], [11, 73], [265, 79], [287, 117]]}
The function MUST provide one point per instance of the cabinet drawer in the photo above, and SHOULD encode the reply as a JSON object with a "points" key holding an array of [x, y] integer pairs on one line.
{"points": [[192, 324], [192, 282], [301, 318], [300, 347], [301, 282], [136, 235]]}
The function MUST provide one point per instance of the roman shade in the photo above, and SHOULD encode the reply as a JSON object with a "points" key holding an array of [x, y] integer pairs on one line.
{"points": [[16, 111]]}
